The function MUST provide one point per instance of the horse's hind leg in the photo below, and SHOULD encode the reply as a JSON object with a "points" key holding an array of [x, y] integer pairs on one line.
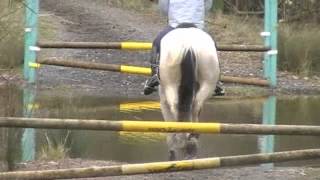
{"points": [[180, 145], [205, 90], [208, 75], [165, 108]]}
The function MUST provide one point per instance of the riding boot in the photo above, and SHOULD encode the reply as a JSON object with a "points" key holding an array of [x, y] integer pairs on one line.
{"points": [[152, 83], [219, 91]]}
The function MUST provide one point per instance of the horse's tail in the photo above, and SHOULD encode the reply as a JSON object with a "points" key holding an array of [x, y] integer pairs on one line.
{"points": [[188, 84]]}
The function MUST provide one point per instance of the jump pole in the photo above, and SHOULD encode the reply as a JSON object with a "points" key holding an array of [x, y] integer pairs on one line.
{"points": [[160, 167], [138, 46], [158, 126], [133, 70]]}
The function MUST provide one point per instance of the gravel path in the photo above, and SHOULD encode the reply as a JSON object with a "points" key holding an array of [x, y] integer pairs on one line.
{"points": [[242, 173]]}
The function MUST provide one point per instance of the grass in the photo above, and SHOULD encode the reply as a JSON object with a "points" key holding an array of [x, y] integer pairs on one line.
{"points": [[48, 27], [232, 29], [54, 150], [138, 5], [249, 91], [11, 34], [299, 49]]}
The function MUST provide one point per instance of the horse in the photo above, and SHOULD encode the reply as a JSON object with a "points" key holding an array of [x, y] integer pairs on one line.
{"points": [[189, 71]]}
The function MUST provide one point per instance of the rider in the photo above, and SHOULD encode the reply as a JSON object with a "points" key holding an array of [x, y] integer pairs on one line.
{"points": [[177, 11]]}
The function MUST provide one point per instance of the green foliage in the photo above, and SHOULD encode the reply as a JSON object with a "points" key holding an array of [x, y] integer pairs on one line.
{"points": [[231, 29], [131, 4], [11, 33], [299, 10], [289, 10], [299, 49], [47, 28], [218, 5]]}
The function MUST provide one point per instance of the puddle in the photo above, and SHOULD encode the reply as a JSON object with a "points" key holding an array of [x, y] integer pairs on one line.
{"points": [[28, 144]]}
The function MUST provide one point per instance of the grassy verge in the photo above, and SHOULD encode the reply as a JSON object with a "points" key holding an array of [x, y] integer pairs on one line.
{"points": [[54, 149], [48, 27], [11, 34], [232, 29], [138, 5], [299, 49], [247, 91]]}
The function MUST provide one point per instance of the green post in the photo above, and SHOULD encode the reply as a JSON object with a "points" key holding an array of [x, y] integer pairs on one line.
{"points": [[269, 118], [31, 31], [271, 36], [28, 137]]}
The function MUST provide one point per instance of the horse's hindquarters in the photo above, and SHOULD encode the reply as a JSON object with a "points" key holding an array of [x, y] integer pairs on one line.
{"points": [[189, 71]]}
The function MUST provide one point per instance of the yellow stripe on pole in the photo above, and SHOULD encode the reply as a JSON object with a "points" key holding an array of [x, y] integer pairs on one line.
{"points": [[135, 70], [170, 166], [33, 106], [139, 106], [34, 65], [141, 137], [158, 126], [136, 45]]}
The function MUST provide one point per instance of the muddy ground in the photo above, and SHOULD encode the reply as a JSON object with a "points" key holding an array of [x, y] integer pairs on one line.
{"points": [[243, 173], [81, 20]]}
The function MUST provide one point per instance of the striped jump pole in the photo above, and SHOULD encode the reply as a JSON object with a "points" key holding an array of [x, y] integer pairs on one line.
{"points": [[94, 66], [139, 46], [159, 126], [133, 70], [160, 167]]}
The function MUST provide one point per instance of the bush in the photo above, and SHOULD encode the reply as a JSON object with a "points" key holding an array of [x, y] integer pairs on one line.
{"points": [[11, 33], [131, 4], [299, 49]]}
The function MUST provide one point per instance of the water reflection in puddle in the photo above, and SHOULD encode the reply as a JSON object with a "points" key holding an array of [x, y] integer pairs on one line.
{"points": [[28, 144]]}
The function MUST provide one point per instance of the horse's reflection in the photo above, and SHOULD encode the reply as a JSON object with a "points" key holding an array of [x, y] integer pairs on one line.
{"points": [[182, 146]]}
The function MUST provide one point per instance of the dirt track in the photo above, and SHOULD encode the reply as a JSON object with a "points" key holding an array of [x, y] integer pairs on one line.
{"points": [[81, 20], [243, 173], [87, 21]]}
